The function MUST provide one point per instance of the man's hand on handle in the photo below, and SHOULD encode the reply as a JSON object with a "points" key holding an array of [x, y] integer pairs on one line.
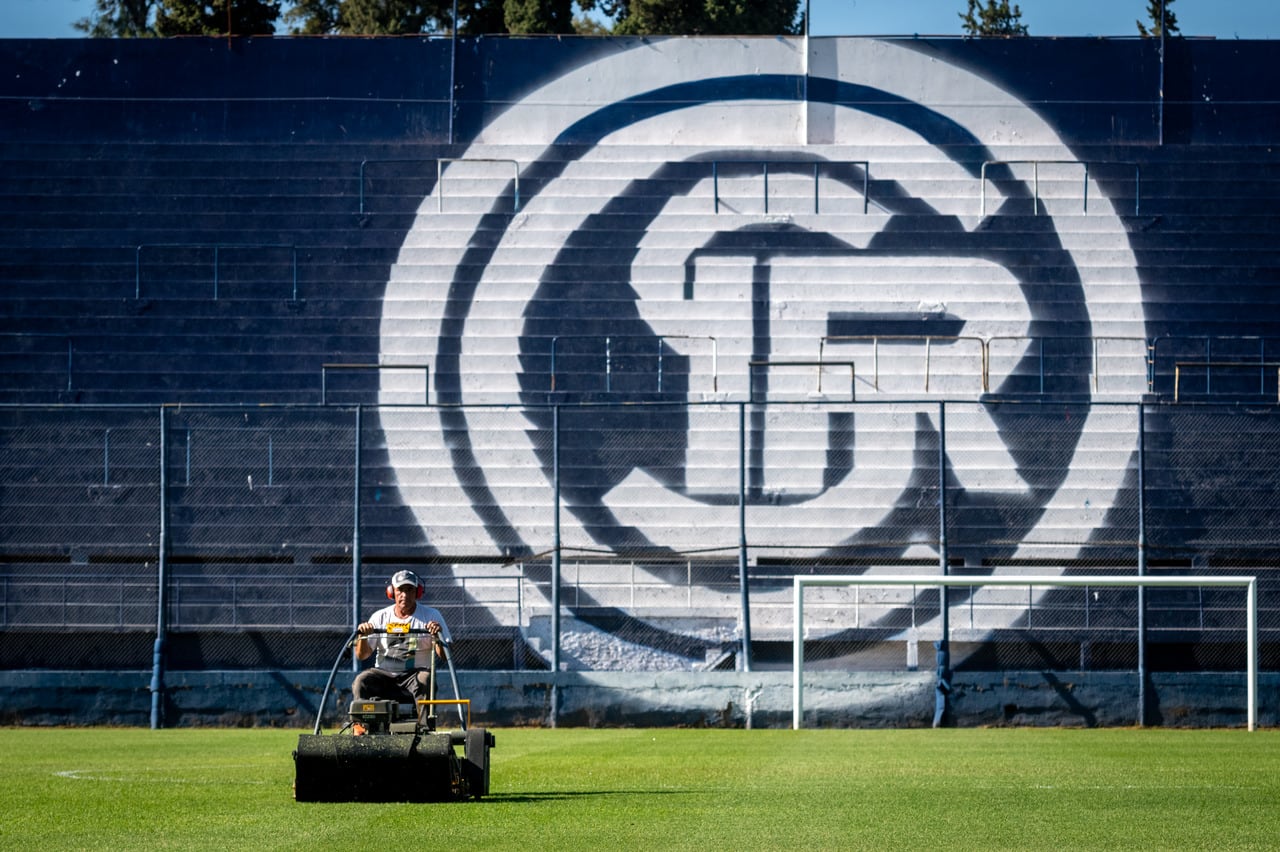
{"points": [[363, 649], [365, 628]]}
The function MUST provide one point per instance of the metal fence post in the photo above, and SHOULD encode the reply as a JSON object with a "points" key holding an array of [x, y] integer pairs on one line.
{"points": [[942, 698], [1142, 565], [743, 585], [453, 66], [555, 566], [355, 532], [162, 585]]}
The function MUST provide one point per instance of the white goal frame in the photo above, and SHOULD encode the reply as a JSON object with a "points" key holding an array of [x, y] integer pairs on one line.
{"points": [[1092, 580]]}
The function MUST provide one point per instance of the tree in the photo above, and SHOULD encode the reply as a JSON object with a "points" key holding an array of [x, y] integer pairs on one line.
{"points": [[216, 17], [136, 18], [118, 19], [699, 17], [994, 19], [737, 17], [398, 17], [481, 17], [313, 17], [583, 25], [538, 16], [1161, 24], [390, 17]]}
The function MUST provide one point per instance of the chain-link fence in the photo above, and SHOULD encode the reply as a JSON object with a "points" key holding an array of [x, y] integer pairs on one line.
{"points": [[642, 537]]}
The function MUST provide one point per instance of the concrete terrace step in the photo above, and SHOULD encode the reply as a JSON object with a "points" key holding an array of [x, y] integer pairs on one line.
{"points": [[538, 224], [221, 156], [255, 201], [279, 193], [251, 162]]}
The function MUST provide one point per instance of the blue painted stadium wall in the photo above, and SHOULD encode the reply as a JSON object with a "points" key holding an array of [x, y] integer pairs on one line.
{"points": [[311, 165]]}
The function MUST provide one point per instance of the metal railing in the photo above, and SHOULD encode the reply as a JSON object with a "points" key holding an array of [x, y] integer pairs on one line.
{"points": [[608, 355], [325, 368], [1210, 366], [1035, 178], [440, 164], [817, 167], [237, 601], [984, 354], [853, 375], [927, 339], [1149, 351], [515, 177], [217, 249], [234, 601], [124, 604], [1202, 350]]}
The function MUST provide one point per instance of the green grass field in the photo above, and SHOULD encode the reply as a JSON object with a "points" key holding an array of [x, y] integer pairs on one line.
{"points": [[707, 790]]}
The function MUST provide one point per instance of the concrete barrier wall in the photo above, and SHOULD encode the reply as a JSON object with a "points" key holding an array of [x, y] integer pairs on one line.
{"points": [[615, 699]]}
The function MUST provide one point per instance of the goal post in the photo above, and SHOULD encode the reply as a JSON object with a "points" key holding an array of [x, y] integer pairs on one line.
{"points": [[1250, 584]]}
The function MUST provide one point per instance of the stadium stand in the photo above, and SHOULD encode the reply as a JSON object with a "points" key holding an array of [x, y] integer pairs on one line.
{"points": [[323, 315]]}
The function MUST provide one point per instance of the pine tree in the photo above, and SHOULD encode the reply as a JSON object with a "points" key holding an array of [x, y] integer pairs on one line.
{"points": [[408, 17], [1160, 25], [538, 16], [994, 19], [314, 17], [118, 19], [389, 17], [700, 17], [216, 17]]}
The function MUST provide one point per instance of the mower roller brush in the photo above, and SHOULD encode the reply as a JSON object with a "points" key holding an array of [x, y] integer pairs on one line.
{"points": [[392, 752]]}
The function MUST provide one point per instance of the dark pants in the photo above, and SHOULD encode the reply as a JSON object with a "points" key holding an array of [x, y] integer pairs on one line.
{"points": [[379, 684]]}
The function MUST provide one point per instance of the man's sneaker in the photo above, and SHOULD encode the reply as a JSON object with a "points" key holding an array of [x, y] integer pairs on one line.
{"points": [[358, 730]]}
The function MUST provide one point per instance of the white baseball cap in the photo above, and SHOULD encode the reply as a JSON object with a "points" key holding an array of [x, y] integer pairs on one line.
{"points": [[405, 578]]}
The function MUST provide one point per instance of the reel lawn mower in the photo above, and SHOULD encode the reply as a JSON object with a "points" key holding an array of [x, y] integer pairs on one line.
{"points": [[393, 752]]}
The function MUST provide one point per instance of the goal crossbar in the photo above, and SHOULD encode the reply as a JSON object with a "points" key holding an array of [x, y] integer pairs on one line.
{"points": [[1250, 584]]}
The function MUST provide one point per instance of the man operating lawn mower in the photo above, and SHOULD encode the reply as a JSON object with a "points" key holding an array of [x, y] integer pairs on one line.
{"points": [[389, 753], [401, 666]]}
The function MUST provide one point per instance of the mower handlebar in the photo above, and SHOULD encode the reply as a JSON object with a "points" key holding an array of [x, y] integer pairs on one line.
{"points": [[357, 635], [350, 643]]}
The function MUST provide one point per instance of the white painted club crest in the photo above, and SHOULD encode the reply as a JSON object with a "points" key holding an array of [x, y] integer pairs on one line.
{"points": [[472, 277]]}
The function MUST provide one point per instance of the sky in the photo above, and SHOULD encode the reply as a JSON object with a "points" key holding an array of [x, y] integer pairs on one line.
{"points": [[1216, 18]]}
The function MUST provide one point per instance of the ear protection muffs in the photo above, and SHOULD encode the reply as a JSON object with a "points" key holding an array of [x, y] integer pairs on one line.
{"points": [[391, 592]]}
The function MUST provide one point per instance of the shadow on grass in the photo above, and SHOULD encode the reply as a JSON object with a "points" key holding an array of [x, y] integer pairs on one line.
{"points": [[569, 795]]}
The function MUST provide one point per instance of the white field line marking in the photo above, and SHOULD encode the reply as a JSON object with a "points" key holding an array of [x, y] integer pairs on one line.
{"points": [[1145, 787], [93, 775]]}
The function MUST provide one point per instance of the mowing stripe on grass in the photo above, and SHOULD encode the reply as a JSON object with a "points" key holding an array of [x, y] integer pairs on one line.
{"points": [[667, 789]]}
